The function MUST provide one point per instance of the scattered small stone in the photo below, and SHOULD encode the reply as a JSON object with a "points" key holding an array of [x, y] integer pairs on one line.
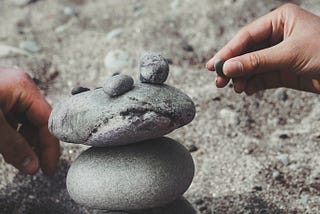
{"points": [[114, 33], [199, 201], [284, 158], [192, 148], [219, 67], [70, 11], [283, 136], [170, 61], [216, 99], [30, 46], [230, 117], [305, 199], [257, 188], [78, 90], [154, 68], [203, 208], [118, 85], [116, 59], [186, 46], [276, 175]]}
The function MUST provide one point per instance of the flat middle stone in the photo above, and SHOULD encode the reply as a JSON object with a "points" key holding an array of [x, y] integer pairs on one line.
{"points": [[145, 112]]}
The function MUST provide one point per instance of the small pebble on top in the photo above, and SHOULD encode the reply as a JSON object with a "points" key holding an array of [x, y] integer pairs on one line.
{"points": [[118, 85], [154, 68]]}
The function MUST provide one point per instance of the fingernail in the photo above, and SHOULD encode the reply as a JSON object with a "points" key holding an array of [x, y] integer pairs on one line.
{"points": [[29, 165], [232, 66], [209, 65]]}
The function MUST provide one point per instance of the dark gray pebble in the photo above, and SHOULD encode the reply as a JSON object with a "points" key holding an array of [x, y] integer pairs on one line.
{"points": [[192, 148], [219, 67], [186, 46], [78, 90], [118, 85], [154, 68], [199, 201]]}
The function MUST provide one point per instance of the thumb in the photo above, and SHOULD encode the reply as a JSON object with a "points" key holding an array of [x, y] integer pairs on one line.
{"points": [[15, 149], [274, 58]]}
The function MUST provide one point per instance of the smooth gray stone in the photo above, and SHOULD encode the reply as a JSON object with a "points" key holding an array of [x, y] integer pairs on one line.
{"points": [[132, 177], [179, 206], [145, 112], [153, 68], [118, 85]]}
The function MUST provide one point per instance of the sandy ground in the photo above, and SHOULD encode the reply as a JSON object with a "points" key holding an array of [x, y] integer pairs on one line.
{"points": [[255, 154]]}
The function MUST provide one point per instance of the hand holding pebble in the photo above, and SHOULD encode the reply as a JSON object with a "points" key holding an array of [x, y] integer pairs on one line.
{"points": [[280, 49]]}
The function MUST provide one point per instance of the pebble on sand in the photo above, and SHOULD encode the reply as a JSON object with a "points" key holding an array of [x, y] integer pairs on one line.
{"points": [[284, 158]]}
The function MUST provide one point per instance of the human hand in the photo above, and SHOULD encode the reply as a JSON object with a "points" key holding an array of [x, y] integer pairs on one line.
{"points": [[23, 108], [280, 49]]}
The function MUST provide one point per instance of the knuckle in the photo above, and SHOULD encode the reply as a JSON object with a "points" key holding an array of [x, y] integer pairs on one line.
{"points": [[255, 61]]}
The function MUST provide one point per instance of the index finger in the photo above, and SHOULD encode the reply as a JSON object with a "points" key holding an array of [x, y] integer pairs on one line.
{"points": [[268, 27]]}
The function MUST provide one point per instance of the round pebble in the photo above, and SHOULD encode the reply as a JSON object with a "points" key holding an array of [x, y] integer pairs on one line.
{"points": [[144, 175], [153, 68], [118, 85], [219, 67]]}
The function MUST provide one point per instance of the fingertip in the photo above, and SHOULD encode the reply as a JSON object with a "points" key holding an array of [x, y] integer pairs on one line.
{"points": [[221, 82], [30, 165], [239, 85], [232, 68], [210, 65]]}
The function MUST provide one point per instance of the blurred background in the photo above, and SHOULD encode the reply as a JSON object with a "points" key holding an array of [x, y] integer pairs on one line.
{"points": [[257, 154]]}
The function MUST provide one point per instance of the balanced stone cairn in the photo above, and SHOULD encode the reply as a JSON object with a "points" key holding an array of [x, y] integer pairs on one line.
{"points": [[131, 167]]}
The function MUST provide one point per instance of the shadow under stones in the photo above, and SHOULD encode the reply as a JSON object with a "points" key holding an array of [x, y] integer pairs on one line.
{"points": [[39, 194], [249, 203]]}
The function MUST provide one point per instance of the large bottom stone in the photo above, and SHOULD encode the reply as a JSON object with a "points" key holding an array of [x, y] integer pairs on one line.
{"points": [[132, 177]]}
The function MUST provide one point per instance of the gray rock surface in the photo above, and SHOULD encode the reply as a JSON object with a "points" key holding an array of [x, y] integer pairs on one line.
{"points": [[154, 68], [132, 177], [179, 206], [147, 111], [118, 85]]}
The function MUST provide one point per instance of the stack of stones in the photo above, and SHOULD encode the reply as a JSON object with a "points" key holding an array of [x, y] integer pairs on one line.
{"points": [[131, 167]]}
